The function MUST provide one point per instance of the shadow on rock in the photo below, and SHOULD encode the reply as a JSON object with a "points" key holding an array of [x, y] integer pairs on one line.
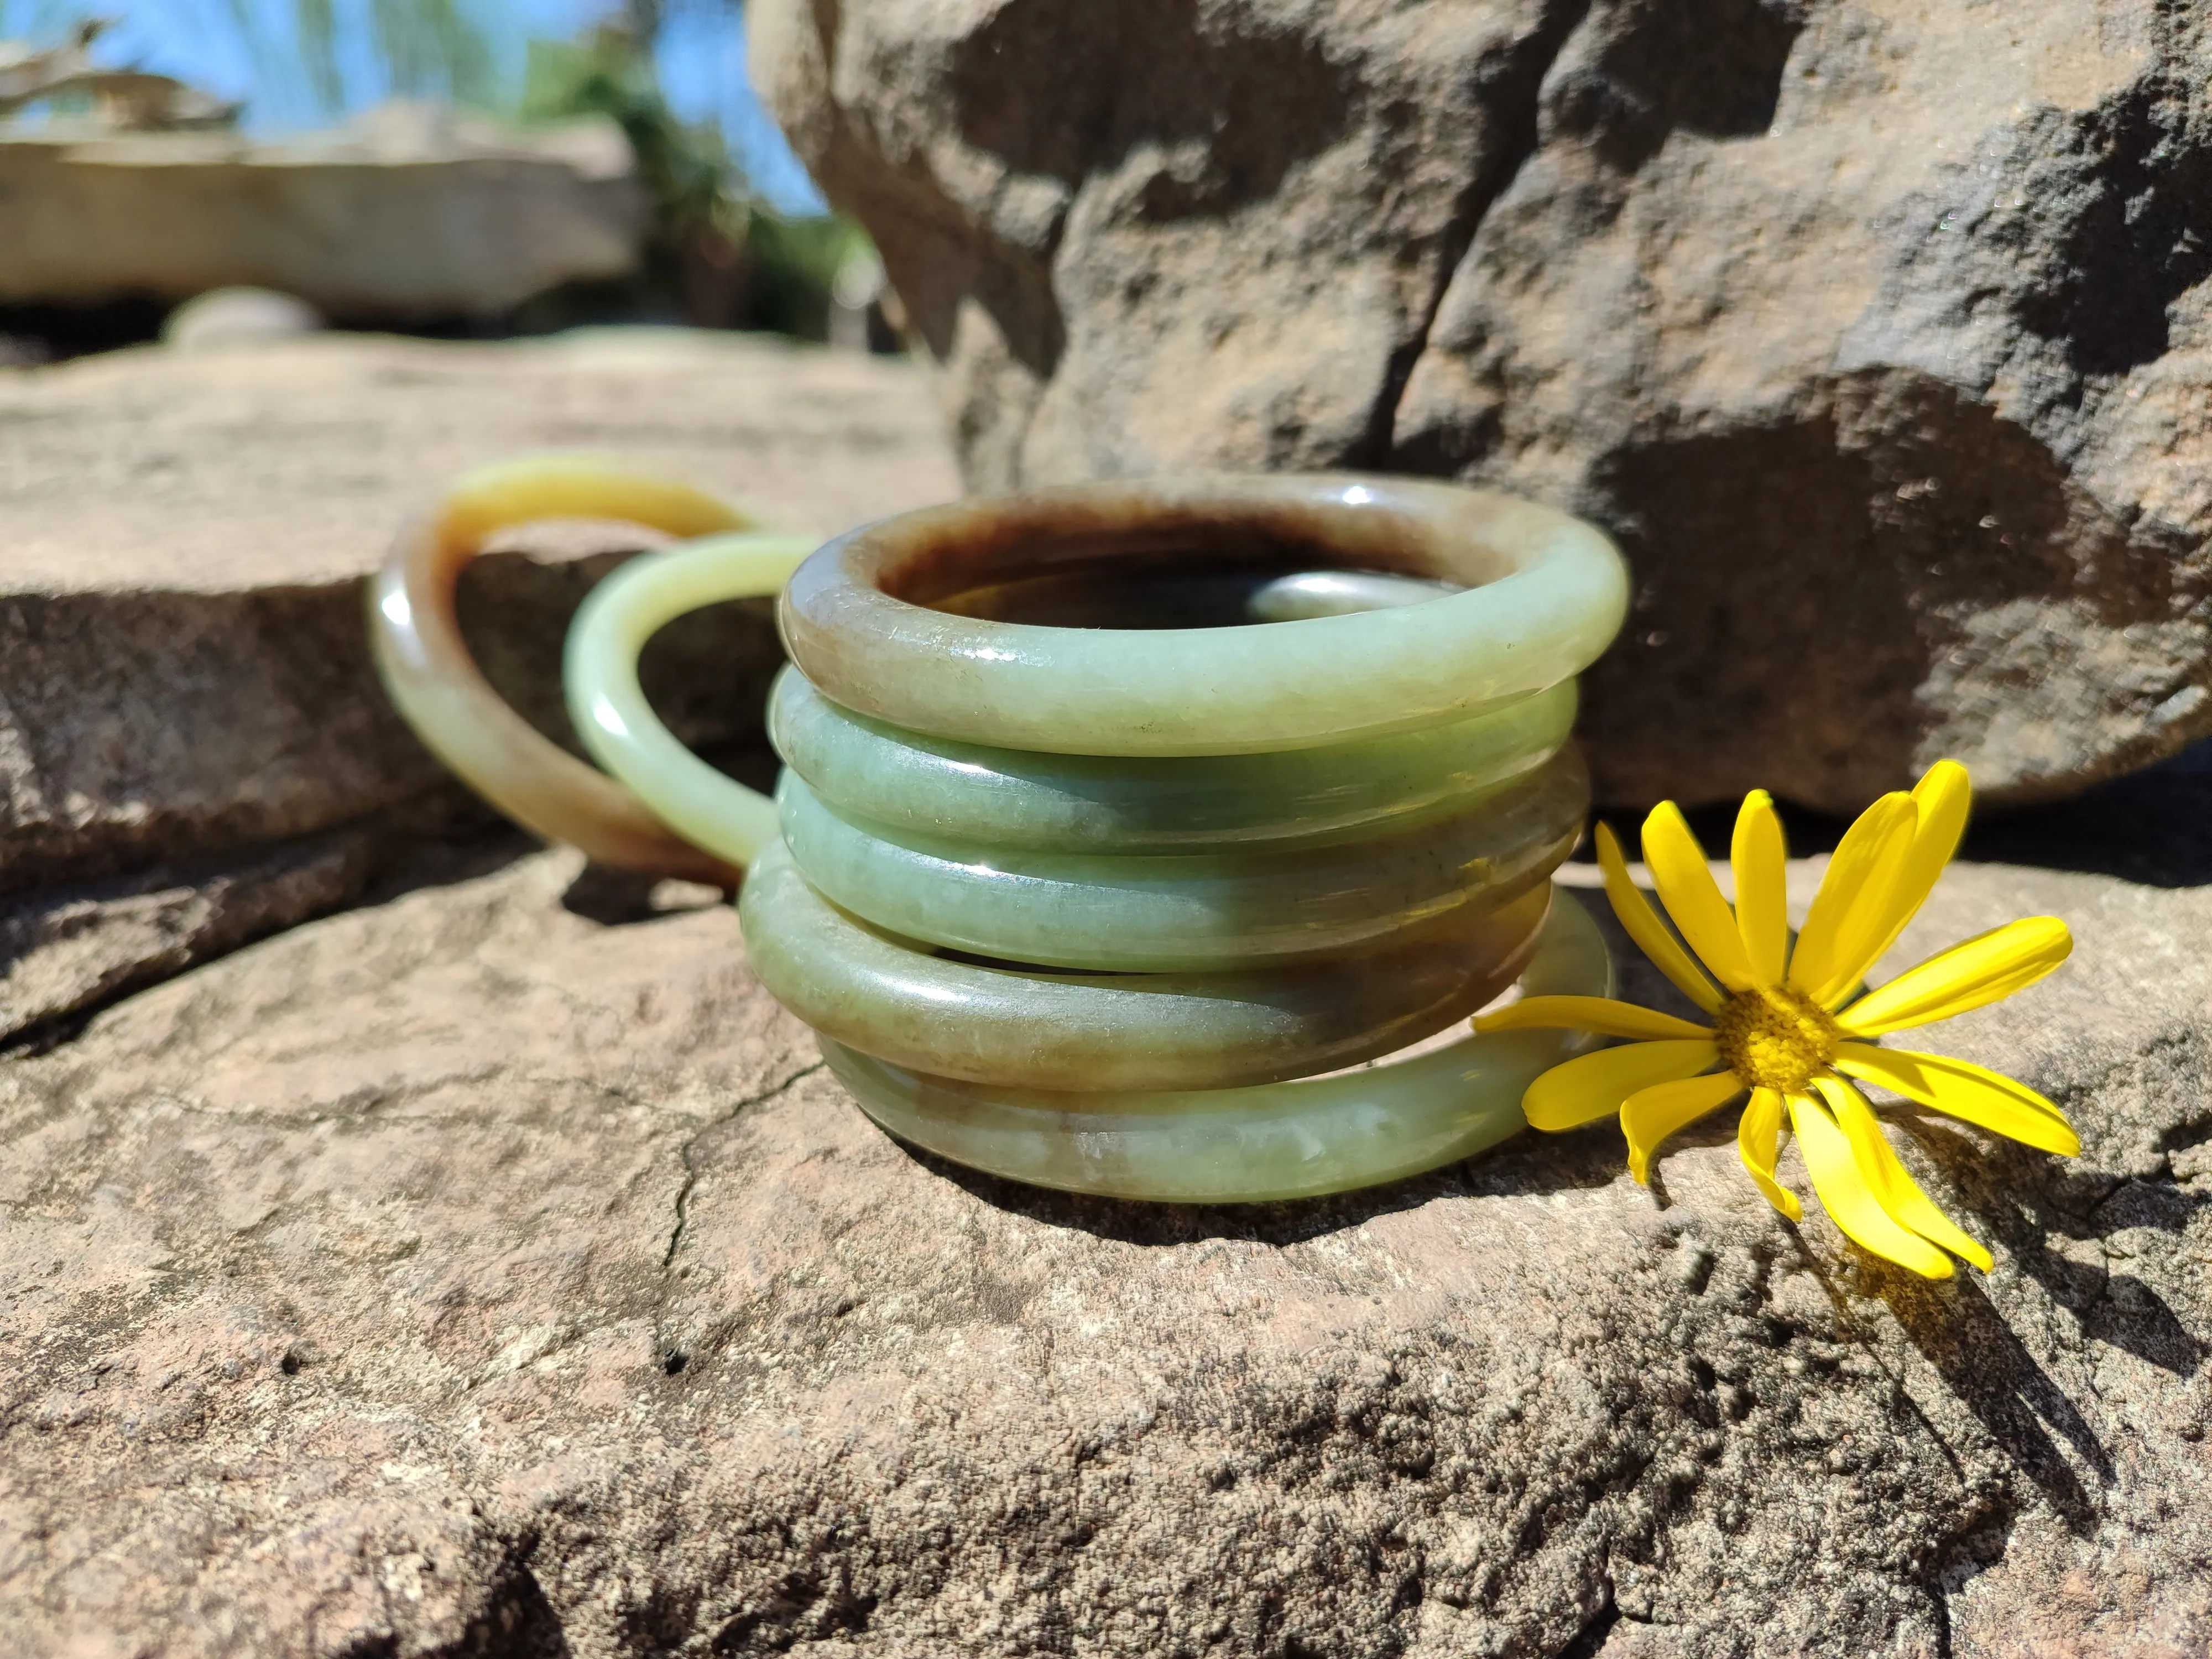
{"points": [[521, 1622], [618, 898], [1990, 1370], [1529, 1164], [2118, 1309], [427, 859], [2114, 1308], [2146, 827]]}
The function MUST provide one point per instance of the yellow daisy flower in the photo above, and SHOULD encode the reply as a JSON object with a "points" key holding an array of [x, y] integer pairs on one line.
{"points": [[1795, 1025]]}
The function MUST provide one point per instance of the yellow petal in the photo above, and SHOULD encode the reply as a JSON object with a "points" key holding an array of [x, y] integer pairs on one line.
{"points": [[1650, 1115], [1972, 1093], [1757, 1140], [1851, 951], [1592, 1087], [1891, 1183], [1941, 799], [1834, 1168], [1599, 1014], [1760, 859], [1886, 824], [1966, 976], [1944, 796], [1693, 898], [1642, 924]]}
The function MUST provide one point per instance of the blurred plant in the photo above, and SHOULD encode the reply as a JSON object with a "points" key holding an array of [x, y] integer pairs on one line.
{"points": [[797, 264], [715, 256], [686, 171], [427, 48]]}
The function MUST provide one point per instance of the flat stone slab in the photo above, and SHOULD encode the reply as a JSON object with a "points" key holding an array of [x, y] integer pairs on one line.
{"points": [[292, 463], [194, 747], [411, 211], [462, 1274]]}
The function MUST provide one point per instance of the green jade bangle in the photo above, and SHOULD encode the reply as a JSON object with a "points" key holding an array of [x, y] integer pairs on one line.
{"points": [[1110, 909], [1183, 911], [862, 768], [437, 687]]}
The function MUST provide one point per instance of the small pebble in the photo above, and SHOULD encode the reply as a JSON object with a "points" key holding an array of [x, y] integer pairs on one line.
{"points": [[229, 317]]}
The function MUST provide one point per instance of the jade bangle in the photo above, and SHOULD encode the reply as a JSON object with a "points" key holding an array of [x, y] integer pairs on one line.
{"points": [[426, 666], [1098, 908], [1545, 593], [947, 1016], [1296, 1140], [1186, 910], [863, 768]]}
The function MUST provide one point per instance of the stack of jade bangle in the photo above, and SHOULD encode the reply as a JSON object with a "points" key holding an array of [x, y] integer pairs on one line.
{"points": [[1121, 825]]}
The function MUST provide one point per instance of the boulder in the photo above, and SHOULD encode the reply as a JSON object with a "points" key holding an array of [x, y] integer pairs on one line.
{"points": [[466, 1273], [410, 212], [1878, 334], [194, 748]]}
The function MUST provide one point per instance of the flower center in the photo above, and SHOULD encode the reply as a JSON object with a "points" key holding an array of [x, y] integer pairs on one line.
{"points": [[1776, 1037]]}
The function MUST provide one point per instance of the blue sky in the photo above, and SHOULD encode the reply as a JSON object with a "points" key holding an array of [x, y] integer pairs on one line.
{"points": [[211, 43]]}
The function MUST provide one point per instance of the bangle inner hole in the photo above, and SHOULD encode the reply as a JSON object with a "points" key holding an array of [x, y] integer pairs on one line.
{"points": [[706, 674], [1192, 583]]}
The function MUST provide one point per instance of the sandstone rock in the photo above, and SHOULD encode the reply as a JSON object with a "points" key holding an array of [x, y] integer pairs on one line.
{"points": [[411, 212], [463, 1275], [1878, 333], [65, 946], [186, 703]]}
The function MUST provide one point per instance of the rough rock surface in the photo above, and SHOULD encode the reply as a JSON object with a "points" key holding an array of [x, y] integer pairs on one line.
{"points": [[187, 709], [1879, 332], [466, 1275], [68, 944]]}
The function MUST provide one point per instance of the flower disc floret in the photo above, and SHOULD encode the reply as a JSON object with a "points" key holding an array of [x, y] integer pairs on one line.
{"points": [[1774, 1036]]}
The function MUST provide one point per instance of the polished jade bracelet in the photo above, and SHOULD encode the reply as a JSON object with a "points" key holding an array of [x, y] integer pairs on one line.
{"points": [[1071, 896]]}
